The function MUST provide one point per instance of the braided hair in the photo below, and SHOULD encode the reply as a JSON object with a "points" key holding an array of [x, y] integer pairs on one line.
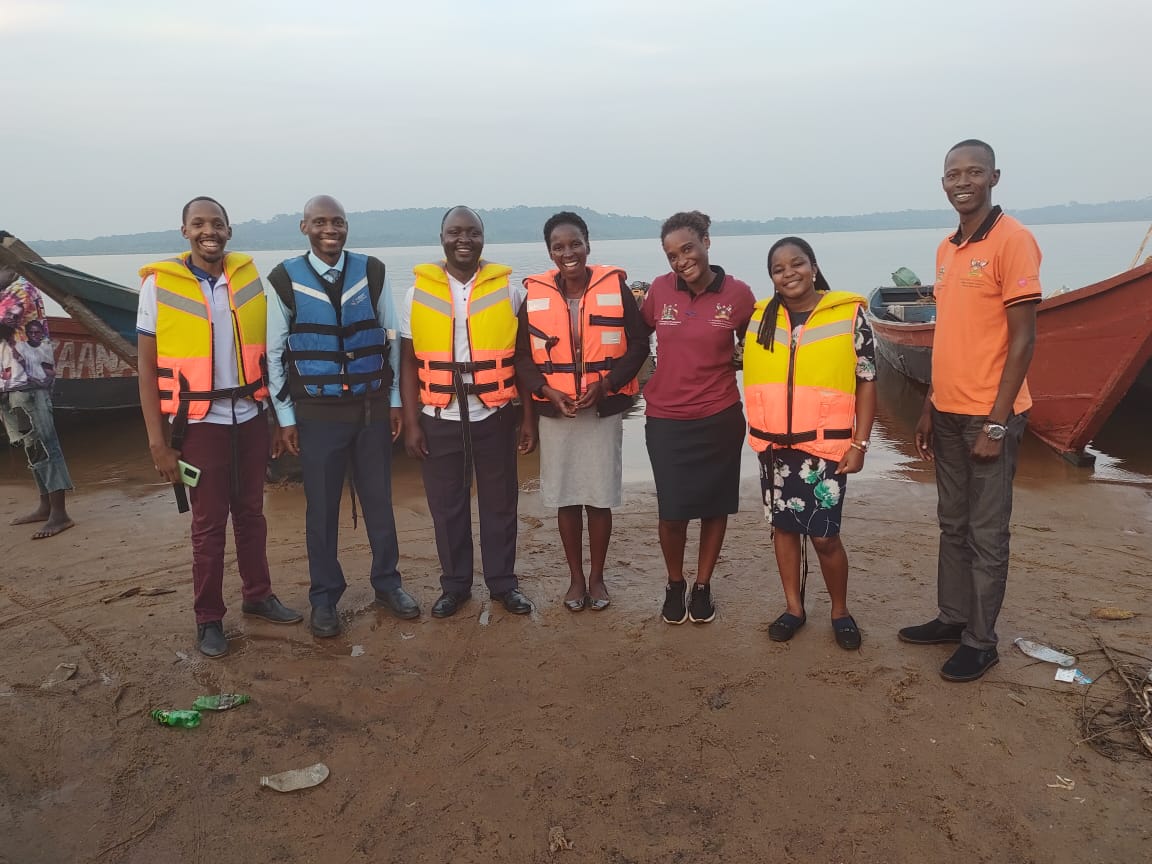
{"points": [[766, 335]]}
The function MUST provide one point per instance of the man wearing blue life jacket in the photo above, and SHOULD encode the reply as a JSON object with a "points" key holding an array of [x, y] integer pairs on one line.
{"points": [[333, 358]]}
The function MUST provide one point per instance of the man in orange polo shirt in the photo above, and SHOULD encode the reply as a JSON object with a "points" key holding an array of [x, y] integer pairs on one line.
{"points": [[987, 288]]}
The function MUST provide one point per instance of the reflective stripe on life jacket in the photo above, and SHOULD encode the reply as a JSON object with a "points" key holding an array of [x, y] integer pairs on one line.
{"points": [[803, 393], [184, 334], [491, 337], [602, 339], [334, 353]]}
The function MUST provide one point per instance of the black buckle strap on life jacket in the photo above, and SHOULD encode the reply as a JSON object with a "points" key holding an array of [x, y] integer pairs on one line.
{"points": [[606, 320], [179, 428], [550, 342], [604, 365], [550, 367], [786, 440]]}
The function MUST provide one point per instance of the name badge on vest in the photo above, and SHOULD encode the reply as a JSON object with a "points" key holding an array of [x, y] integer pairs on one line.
{"points": [[613, 299], [610, 337], [538, 304]]}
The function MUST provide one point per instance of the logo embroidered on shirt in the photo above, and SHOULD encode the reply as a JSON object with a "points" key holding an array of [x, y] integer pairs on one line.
{"points": [[976, 267], [723, 312], [671, 312]]}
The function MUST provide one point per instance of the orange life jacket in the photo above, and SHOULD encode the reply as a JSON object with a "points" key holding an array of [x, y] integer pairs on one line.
{"points": [[601, 338], [184, 334], [492, 329]]}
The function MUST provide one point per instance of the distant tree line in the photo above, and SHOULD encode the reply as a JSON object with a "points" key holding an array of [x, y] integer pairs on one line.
{"points": [[421, 226]]}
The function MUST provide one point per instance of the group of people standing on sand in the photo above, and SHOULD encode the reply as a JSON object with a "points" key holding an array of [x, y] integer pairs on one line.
{"points": [[471, 370]]}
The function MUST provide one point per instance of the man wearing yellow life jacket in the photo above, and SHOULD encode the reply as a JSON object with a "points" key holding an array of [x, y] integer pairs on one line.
{"points": [[201, 326], [458, 330], [809, 382]]}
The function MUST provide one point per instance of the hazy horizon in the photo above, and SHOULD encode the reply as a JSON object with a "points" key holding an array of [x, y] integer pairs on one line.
{"points": [[129, 108]]}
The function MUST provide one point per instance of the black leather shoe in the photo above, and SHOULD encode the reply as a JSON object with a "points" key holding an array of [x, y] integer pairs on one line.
{"points": [[210, 639], [399, 602], [935, 632], [514, 601], [968, 663], [271, 609], [325, 622], [449, 604]]}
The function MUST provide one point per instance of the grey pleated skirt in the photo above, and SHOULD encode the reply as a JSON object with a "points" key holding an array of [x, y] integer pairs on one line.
{"points": [[580, 463]]}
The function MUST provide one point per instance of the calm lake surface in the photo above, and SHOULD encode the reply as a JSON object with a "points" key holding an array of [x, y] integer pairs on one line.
{"points": [[1074, 256]]}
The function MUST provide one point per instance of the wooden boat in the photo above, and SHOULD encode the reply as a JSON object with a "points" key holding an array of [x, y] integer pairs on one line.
{"points": [[95, 348], [1092, 346]]}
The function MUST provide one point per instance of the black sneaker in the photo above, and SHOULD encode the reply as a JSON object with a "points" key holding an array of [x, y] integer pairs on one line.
{"points": [[701, 609], [935, 632], [968, 663], [674, 612]]}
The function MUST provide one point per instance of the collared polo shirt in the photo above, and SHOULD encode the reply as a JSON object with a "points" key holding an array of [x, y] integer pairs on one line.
{"points": [[695, 337], [976, 280]]}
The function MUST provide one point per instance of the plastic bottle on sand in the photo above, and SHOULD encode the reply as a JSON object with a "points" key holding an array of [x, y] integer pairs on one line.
{"points": [[176, 717], [222, 702]]}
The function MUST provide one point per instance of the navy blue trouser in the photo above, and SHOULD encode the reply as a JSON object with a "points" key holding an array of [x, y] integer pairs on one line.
{"points": [[449, 501], [327, 448]]}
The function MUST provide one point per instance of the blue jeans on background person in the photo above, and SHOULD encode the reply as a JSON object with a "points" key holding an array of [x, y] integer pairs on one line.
{"points": [[27, 416]]}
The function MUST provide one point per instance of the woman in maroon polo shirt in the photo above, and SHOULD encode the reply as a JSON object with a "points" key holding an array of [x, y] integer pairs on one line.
{"points": [[695, 427]]}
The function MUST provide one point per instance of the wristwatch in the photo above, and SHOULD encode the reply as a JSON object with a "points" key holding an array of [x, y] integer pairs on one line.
{"points": [[994, 431], [862, 446]]}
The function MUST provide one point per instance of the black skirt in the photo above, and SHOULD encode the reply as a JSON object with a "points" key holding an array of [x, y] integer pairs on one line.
{"points": [[696, 464]]}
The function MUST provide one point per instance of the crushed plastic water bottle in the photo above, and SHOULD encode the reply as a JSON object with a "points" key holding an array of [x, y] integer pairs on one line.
{"points": [[299, 778], [1045, 654], [222, 702], [176, 717]]}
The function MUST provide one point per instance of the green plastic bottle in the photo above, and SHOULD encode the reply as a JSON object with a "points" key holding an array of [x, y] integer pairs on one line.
{"points": [[220, 703], [176, 717]]}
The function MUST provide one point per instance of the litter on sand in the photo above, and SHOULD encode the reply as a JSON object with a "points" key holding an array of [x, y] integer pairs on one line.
{"points": [[556, 839], [1072, 675], [1063, 783], [297, 778], [220, 702], [1112, 613], [357, 650], [1037, 651], [59, 675]]}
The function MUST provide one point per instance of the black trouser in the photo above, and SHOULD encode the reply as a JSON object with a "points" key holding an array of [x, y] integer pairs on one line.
{"points": [[447, 487]]}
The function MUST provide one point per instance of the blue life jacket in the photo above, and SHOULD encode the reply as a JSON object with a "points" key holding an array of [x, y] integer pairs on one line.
{"points": [[336, 352]]}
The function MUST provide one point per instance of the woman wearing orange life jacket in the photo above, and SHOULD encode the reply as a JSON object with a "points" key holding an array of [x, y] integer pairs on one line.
{"points": [[580, 344], [810, 384]]}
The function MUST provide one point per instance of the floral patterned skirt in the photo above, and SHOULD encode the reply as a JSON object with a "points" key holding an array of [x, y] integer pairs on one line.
{"points": [[802, 493]]}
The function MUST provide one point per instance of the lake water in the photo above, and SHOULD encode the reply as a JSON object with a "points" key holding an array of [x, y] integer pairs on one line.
{"points": [[1074, 255]]}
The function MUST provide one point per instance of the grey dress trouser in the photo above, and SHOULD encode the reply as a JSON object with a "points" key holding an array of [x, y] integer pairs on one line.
{"points": [[975, 507]]}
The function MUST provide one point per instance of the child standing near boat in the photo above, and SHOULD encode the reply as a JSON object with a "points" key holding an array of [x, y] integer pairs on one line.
{"points": [[810, 384], [987, 290]]}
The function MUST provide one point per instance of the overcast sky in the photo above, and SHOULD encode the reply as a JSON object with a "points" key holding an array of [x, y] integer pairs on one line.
{"points": [[120, 110]]}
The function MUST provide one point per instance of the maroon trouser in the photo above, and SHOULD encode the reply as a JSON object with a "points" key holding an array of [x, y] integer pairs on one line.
{"points": [[208, 446]]}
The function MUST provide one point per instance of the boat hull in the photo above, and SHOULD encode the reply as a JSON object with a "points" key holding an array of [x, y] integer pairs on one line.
{"points": [[89, 377], [1092, 346]]}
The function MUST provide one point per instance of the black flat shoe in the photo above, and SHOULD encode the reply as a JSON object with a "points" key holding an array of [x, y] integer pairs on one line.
{"points": [[271, 609], [968, 663], [514, 601], [449, 604], [785, 627], [325, 622], [210, 639], [399, 602], [935, 632], [846, 632]]}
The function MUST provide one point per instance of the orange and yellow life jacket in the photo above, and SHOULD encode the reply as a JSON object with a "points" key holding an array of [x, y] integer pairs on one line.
{"points": [[184, 334], [802, 394], [601, 340], [491, 337]]}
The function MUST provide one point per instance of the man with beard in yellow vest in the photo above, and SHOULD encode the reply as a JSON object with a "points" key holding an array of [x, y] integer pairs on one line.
{"points": [[200, 328], [458, 328]]}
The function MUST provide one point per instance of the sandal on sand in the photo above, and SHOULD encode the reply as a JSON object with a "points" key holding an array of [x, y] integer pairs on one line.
{"points": [[846, 632], [785, 627], [576, 605], [599, 605]]}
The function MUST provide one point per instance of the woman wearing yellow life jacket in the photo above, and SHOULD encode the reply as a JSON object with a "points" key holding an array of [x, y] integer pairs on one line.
{"points": [[810, 384], [580, 344]]}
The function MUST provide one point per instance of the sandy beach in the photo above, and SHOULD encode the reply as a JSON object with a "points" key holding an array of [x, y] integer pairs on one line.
{"points": [[474, 738]]}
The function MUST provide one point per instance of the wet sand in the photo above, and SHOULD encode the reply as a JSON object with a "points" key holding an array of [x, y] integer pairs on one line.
{"points": [[467, 740]]}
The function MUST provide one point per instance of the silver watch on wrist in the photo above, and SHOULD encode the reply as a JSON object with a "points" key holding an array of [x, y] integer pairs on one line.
{"points": [[994, 431]]}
